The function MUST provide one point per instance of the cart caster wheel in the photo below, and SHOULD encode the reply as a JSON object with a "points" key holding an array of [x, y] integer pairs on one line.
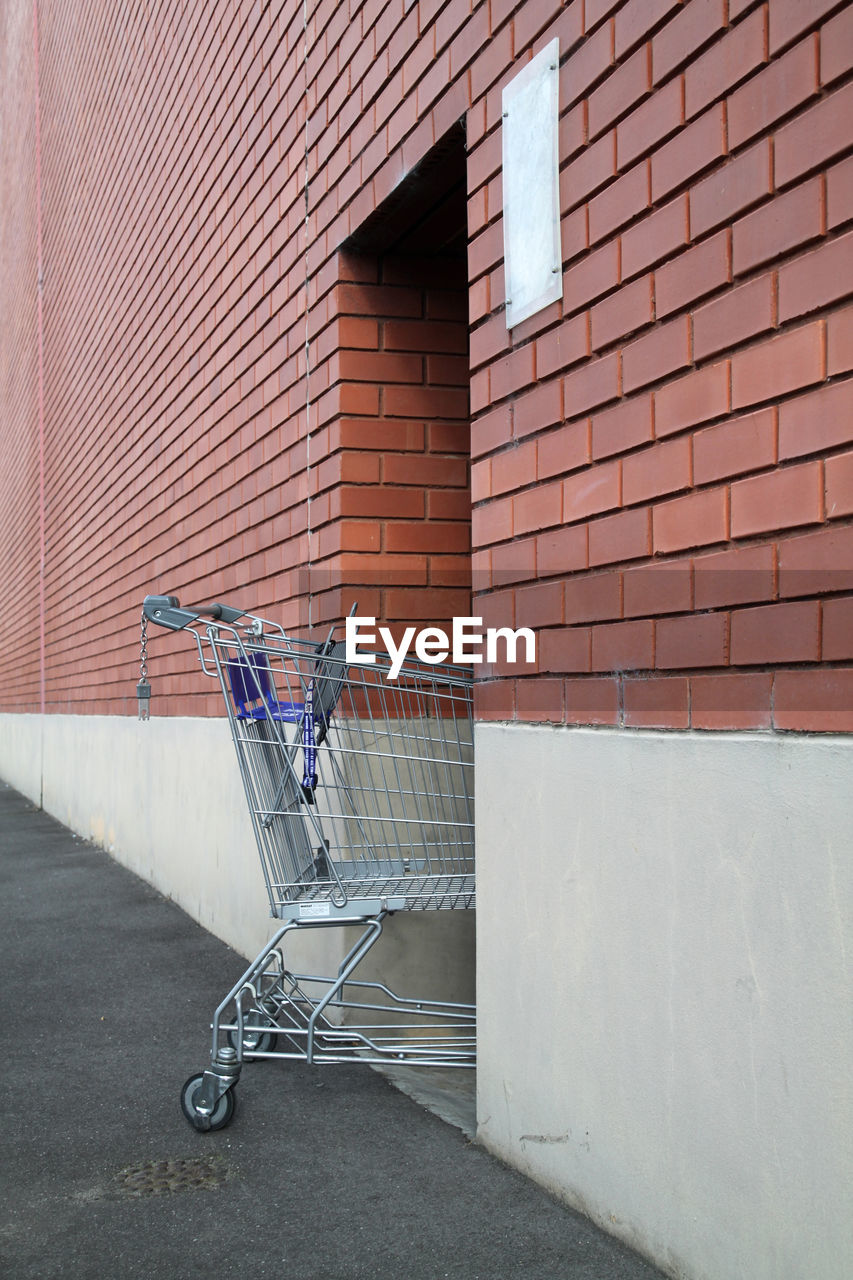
{"points": [[255, 1039], [222, 1112]]}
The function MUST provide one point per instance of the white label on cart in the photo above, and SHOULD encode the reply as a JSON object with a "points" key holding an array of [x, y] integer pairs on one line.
{"points": [[314, 910]]}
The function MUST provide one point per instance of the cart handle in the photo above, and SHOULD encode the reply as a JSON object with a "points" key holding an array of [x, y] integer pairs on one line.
{"points": [[166, 611]]}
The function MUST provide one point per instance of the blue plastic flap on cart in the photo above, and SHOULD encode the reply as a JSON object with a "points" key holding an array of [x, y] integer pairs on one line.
{"points": [[289, 711], [251, 685]]}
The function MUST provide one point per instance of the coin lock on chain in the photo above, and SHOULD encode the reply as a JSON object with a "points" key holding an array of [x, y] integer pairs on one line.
{"points": [[143, 688]]}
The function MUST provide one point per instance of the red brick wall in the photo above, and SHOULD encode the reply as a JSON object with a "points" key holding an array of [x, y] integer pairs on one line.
{"points": [[391, 499], [662, 471], [20, 649], [661, 474]]}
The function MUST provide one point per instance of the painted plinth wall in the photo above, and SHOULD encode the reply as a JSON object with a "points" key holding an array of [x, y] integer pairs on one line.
{"points": [[664, 1010], [166, 800]]}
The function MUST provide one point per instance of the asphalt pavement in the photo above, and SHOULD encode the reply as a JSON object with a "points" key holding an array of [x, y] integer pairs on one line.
{"points": [[323, 1174]]}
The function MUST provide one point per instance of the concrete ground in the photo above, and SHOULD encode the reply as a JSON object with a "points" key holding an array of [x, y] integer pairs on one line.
{"points": [[324, 1174]]}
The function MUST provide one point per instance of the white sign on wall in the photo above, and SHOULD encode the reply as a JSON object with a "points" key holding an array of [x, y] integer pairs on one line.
{"points": [[531, 189]]}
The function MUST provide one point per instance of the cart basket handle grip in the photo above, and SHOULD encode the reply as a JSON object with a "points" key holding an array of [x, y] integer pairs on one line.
{"points": [[166, 611]]}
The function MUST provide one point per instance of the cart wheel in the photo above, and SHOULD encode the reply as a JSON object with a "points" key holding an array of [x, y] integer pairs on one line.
{"points": [[222, 1112], [255, 1039]]}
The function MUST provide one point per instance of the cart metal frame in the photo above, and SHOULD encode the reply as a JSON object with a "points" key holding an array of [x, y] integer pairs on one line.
{"points": [[360, 792]]}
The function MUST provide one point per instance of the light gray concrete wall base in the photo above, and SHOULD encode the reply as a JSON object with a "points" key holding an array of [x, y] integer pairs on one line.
{"points": [[165, 799], [663, 990], [21, 749]]}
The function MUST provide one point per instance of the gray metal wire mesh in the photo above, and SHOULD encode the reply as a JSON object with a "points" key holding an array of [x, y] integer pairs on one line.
{"points": [[360, 787]]}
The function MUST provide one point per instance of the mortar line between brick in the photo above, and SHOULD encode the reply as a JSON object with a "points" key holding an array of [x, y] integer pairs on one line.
{"points": [[40, 326], [307, 327]]}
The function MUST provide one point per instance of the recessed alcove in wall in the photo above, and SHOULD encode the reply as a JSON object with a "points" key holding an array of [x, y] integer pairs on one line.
{"points": [[390, 486], [390, 469]]}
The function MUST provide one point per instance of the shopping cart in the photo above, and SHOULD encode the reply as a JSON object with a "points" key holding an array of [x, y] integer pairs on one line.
{"points": [[360, 791]]}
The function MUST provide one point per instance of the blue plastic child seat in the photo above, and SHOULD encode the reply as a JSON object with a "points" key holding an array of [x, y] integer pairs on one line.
{"points": [[251, 687]]}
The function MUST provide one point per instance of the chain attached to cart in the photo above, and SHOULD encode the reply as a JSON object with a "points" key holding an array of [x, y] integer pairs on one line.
{"points": [[143, 688]]}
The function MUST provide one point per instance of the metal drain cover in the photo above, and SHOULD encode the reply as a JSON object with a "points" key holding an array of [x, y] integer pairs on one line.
{"points": [[161, 1177]]}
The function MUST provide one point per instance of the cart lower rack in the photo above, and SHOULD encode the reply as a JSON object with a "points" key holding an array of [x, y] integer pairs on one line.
{"points": [[360, 792]]}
